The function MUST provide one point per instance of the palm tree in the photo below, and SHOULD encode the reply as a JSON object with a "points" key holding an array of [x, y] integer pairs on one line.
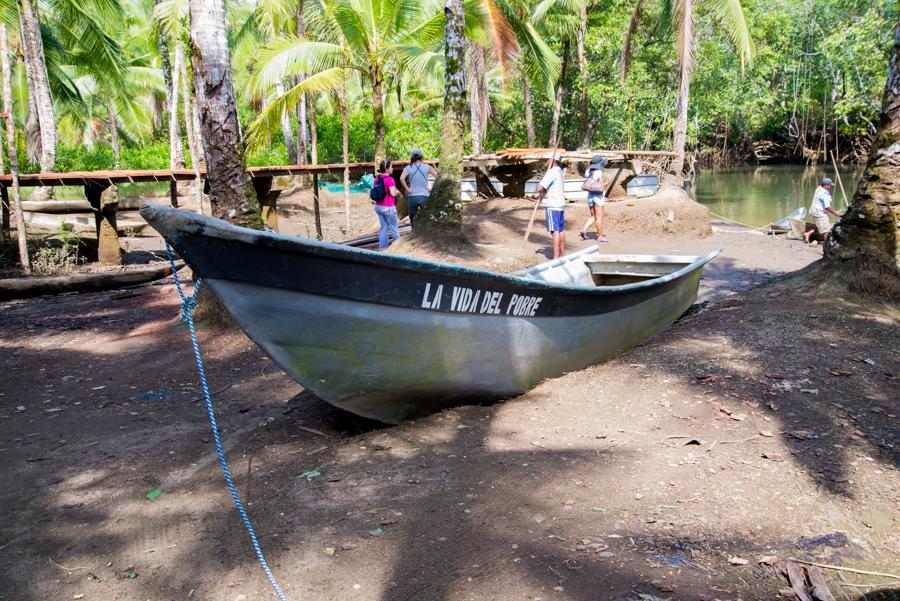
{"points": [[444, 208], [561, 19], [505, 27], [24, 260], [370, 38], [270, 20], [679, 15], [39, 88], [231, 195], [864, 247], [171, 17]]}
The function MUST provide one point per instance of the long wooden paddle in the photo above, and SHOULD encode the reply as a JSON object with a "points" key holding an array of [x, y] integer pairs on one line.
{"points": [[840, 183], [537, 204]]}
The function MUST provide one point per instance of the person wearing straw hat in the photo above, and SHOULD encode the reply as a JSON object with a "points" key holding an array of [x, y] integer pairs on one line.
{"points": [[595, 185], [552, 197], [820, 209]]}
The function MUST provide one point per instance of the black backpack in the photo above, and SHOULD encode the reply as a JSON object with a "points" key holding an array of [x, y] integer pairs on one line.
{"points": [[378, 192]]}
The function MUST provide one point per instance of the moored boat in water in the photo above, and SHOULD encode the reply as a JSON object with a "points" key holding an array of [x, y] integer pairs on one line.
{"points": [[392, 338], [784, 224]]}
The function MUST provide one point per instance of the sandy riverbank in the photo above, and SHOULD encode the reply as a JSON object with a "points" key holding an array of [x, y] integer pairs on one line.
{"points": [[747, 429]]}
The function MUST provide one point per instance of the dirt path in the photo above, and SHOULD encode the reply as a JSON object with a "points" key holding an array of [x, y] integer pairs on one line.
{"points": [[747, 429]]}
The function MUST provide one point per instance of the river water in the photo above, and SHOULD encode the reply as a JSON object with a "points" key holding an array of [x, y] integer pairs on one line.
{"points": [[759, 195]]}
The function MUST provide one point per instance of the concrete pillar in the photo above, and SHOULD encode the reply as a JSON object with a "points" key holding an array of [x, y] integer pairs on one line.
{"points": [[104, 199]]}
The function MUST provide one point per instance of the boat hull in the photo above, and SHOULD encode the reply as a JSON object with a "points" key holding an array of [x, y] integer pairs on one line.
{"points": [[391, 338]]}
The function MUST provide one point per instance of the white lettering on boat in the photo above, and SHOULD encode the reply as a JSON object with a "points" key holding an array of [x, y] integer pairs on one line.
{"points": [[484, 302], [435, 302], [523, 306]]}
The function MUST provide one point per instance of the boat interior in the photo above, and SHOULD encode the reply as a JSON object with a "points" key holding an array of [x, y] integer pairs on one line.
{"points": [[589, 268]]}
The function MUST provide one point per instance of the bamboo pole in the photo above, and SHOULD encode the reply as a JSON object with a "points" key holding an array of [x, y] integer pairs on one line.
{"points": [[193, 147], [13, 159], [840, 182]]}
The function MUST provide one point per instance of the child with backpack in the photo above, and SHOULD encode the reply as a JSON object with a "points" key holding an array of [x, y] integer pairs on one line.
{"points": [[383, 196]]}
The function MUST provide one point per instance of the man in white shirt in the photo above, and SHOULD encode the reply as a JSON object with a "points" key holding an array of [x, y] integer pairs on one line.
{"points": [[820, 208], [552, 197]]}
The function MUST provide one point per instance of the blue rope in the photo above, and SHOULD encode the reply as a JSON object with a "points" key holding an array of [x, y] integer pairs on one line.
{"points": [[188, 303]]}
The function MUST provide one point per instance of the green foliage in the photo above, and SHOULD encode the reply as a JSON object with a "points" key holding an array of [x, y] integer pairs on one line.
{"points": [[814, 59], [402, 134]]}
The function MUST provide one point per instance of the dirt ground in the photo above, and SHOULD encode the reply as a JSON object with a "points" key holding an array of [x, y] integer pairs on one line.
{"points": [[763, 423]]}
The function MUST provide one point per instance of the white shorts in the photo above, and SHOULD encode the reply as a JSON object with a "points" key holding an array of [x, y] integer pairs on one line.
{"points": [[823, 224]]}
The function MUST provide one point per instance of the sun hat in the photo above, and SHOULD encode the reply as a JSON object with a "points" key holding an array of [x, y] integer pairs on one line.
{"points": [[598, 162]]}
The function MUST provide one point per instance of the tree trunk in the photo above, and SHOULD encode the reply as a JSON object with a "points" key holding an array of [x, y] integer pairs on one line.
{"points": [[529, 115], [302, 131], [560, 93], [163, 41], [199, 142], [345, 153], [313, 132], [378, 116], [32, 123], [444, 207], [583, 79], [195, 149], [286, 130], [231, 196], [864, 247], [686, 58], [478, 101], [36, 65], [113, 122], [176, 153], [302, 126], [11, 145]]}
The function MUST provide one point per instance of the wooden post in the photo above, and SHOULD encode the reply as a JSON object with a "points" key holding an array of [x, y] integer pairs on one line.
{"points": [[315, 178], [268, 201], [13, 158], [104, 199], [4, 213], [173, 193]]}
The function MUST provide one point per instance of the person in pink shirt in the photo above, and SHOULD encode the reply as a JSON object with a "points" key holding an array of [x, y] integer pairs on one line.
{"points": [[383, 196]]}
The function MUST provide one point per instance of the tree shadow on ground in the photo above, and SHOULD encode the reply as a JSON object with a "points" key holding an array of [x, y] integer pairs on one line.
{"points": [[437, 509], [810, 371]]}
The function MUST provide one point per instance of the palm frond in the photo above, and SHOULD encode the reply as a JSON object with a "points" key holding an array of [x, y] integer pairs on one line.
{"points": [[429, 32], [172, 16], [357, 24], [87, 27], [503, 38], [421, 62], [731, 14], [269, 120], [273, 15], [292, 56], [539, 62]]}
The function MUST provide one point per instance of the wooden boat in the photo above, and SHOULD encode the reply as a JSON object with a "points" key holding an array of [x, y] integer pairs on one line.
{"points": [[784, 224], [392, 338]]}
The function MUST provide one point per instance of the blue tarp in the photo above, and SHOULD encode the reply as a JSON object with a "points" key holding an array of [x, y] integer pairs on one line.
{"points": [[361, 187]]}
